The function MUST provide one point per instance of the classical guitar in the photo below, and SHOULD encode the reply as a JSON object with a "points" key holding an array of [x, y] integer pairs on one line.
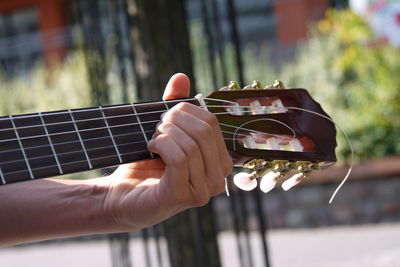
{"points": [[272, 131]]}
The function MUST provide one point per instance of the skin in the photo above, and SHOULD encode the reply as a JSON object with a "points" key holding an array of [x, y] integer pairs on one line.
{"points": [[193, 165]]}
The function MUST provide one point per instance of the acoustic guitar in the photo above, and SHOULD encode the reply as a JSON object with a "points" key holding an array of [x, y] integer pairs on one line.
{"points": [[275, 132]]}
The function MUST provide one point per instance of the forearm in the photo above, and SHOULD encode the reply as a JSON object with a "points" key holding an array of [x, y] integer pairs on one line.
{"points": [[46, 209]]}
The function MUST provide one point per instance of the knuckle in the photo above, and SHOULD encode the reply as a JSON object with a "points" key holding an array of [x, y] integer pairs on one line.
{"points": [[181, 106], [179, 159], [205, 130], [190, 147]]}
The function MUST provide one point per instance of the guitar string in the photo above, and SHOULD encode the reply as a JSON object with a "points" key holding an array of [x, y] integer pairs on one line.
{"points": [[97, 109], [91, 149], [119, 135], [345, 178], [74, 162], [88, 130], [295, 108], [65, 112], [91, 129], [137, 142]]}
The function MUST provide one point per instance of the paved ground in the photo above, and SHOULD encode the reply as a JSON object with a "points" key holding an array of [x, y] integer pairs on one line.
{"points": [[350, 246]]}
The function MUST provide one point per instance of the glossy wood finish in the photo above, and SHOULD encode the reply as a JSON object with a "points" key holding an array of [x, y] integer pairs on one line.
{"points": [[320, 130]]}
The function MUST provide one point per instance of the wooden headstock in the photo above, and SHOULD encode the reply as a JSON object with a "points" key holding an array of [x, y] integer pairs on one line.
{"points": [[271, 129]]}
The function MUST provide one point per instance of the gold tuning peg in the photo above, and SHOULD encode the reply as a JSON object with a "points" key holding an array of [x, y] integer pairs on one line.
{"points": [[259, 167], [254, 85], [306, 167], [276, 85], [232, 86]]}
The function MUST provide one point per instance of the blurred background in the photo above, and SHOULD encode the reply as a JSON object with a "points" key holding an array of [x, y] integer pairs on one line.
{"points": [[57, 54]]}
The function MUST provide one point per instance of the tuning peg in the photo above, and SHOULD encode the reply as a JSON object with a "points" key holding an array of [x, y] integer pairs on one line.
{"points": [[245, 181], [232, 86], [254, 85], [292, 181], [269, 180], [276, 85]]}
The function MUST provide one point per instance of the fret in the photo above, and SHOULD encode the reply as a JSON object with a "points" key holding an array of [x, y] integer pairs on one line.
{"points": [[96, 137], [110, 133], [166, 105], [50, 142], [65, 140], [3, 180], [36, 145], [127, 133], [141, 127], [80, 139], [22, 148]]}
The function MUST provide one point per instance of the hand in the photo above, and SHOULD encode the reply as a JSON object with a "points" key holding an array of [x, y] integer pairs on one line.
{"points": [[193, 165]]}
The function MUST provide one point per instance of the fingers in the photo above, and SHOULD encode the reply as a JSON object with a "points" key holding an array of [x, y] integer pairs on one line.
{"points": [[210, 119], [199, 140], [190, 142], [177, 87], [176, 187]]}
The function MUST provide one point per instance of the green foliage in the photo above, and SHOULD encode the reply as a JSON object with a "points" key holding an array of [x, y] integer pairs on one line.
{"points": [[359, 85], [44, 89]]}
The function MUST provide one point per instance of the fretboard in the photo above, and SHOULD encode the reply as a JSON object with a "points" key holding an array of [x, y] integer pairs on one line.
{"points": [[49, 144]]}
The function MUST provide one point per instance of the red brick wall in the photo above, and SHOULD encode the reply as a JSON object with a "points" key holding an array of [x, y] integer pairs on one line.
{"points": [[51, 16], [294, 16]]}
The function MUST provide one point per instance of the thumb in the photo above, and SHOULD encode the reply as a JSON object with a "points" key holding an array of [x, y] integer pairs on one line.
{"points": [[177, 87]]}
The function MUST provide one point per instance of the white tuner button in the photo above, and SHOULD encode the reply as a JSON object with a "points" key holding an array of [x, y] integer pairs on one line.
{"points": [[292, 181], [268, 181], [243, 181]]}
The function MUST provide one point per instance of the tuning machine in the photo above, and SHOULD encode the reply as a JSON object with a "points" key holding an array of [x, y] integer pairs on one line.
{"points": [[276, 85], [270, 171], [303, 170], [231, 87], [255, 85]]}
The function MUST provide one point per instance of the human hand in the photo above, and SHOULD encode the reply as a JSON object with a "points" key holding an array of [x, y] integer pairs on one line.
{"points": [[193, 165]]}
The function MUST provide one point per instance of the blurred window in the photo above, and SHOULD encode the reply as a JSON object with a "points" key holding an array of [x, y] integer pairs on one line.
{"points": [[20, 45]]}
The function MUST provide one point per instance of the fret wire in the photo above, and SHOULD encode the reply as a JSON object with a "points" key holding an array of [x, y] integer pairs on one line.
{"points": [[84, 130], [72, 152], [22, 148], [75, 162], [109, 131], [84, 120], [3, 179], [51, 143], [165, 104], [141, 127], [72, 142], [80, 139], [94, 108]]}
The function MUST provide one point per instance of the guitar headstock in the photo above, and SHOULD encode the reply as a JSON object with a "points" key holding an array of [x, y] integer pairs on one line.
{"points": [[274, 132]]}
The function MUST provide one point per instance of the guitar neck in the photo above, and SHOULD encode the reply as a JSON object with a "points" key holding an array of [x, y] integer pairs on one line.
{"points": [[49, 144]]}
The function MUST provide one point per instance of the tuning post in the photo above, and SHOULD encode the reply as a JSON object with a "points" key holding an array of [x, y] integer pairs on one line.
{"points": [[232, 86], [304, 169], [276, 85], [255, 85], [248, 181], [279, 169], [292, 181]]}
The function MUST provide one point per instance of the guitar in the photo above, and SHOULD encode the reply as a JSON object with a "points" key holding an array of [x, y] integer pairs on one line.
{"points": [[271, 131]]}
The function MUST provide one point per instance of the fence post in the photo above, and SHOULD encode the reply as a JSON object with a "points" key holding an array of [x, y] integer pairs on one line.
{"points": [[160, 41]]}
